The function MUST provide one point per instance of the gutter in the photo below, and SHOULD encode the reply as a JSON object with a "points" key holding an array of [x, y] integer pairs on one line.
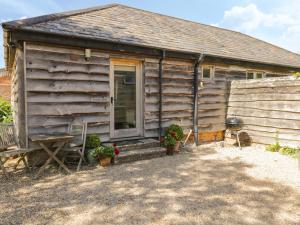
{"points": [[160, 73], [196, 91]]}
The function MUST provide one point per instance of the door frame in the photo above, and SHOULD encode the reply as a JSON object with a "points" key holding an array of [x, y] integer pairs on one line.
{"points": [[133, 132]]}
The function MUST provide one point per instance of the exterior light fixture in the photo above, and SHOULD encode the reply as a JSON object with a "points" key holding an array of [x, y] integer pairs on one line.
{"points": [[87, 54]]}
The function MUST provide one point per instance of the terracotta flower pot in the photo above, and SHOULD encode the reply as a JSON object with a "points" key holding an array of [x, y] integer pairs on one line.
{"points": [[176, 147], [170, 150], [105, 161]]}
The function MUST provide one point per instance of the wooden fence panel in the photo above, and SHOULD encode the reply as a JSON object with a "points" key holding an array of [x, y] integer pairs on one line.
{"points": [[269, 108]]}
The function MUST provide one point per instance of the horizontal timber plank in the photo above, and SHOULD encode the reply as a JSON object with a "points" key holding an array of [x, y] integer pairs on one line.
{"points": [[62, 49], [65, 57], [287, 106], [266, 83], [33, 97], [249, 112], [66, 67], [46, 75], [70, 86], [270, 90], [60, 120], [66, 109], [281, 136], [275, 123]]}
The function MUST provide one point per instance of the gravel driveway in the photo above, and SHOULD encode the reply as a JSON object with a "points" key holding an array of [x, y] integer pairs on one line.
{"points": [[206, 186]]}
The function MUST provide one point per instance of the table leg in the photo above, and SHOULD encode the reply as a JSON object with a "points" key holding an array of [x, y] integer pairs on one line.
{"points": [[3, 168], [57, 159], [52, 156]]}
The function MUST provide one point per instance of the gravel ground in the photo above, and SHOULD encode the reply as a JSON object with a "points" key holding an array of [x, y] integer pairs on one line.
{"points": [[206, 186], [267, 165]]}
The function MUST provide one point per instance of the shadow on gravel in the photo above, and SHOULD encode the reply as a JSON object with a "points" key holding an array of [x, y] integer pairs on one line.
{"points": [[184, 189]]}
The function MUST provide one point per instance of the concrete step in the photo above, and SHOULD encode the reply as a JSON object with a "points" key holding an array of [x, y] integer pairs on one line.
{"points": [[137, 144], [140, 154]]}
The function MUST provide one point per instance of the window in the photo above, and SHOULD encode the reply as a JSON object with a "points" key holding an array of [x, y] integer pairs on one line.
{"points": [[259, 75], [255, 75], [250, 76], [207, 72]]}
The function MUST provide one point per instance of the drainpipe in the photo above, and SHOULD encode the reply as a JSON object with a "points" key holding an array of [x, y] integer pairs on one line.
{"points": [[196, 86], [160, 93]]}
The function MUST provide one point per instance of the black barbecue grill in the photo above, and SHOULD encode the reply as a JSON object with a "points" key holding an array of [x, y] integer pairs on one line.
{"points": [[234, 124]]}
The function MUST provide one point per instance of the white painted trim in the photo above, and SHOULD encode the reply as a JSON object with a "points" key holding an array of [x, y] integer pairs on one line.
{"points": [[212, 72], [134, 132]]}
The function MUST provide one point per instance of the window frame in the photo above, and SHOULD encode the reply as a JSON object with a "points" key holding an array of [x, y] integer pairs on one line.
{"points": [[263, 73], [211, 74]]}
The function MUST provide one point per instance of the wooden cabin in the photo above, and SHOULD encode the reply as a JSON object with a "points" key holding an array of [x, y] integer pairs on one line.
{"points": [[129, 73]]}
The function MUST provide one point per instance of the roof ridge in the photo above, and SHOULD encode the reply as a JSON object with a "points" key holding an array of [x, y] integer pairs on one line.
{"points": [[53, 16]]}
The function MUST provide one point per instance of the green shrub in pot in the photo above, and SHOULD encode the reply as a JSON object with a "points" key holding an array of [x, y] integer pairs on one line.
{"points": [[169, 142], [176, 131], [92, 142]]}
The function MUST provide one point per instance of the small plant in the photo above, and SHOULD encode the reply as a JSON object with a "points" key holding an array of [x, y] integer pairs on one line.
{"points": [[289, 151], [103, 152], [176, 131], [273, 148], [92, 141], [5, 111], [297, 75], [169, 141]]}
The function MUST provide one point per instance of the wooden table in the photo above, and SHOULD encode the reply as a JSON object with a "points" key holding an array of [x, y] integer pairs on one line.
{"points": [[46, 141]]}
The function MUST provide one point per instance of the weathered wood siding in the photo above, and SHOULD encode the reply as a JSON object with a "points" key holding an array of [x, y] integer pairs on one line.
{"points": [[177, 94], [17, 97], [266, 107], [63, 87]]}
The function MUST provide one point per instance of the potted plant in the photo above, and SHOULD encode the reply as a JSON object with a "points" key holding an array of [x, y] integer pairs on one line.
{"points": [[177, 133], [92, 142], [104, 154], [169, 143]]}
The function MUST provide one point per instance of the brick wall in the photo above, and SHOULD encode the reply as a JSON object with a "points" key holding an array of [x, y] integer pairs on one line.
{"points": [[5, 88]]}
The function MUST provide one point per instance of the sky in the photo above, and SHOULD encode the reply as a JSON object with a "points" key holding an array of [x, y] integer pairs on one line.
{"points": [[274, 21]]}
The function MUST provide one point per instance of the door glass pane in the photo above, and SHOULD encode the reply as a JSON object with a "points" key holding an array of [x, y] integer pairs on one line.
{"points": [[125, 97]]}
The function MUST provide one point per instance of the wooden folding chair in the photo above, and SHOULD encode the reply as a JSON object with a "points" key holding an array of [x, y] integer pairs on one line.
{"points": [[9, 147], [77, 145]]}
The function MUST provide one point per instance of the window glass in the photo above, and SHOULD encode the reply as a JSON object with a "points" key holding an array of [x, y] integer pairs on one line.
{"points": [[250, 75], [206, 73], [259, 75], [125, 97]]}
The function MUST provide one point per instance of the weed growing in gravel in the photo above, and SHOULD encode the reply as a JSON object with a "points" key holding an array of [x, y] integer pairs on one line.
{"points": [[289, 151], [273, 148], [286, 150]]}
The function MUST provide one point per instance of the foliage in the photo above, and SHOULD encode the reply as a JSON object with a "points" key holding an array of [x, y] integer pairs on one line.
{"points": [[289, 151], [5, 111], [103, 152], [92, 141], [297, 75], [169, 140], [273, 148], [176, 131]]}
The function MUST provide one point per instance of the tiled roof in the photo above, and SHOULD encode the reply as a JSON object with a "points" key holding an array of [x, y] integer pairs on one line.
{"points": [[129, 25]]}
